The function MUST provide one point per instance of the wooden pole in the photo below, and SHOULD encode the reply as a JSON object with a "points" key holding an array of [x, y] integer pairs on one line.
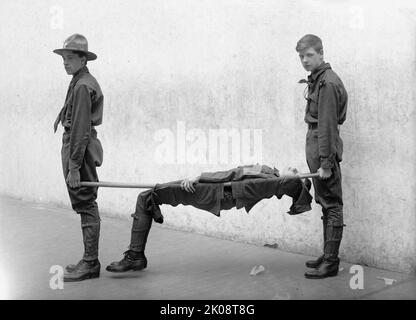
{"points": [[106, 184]]}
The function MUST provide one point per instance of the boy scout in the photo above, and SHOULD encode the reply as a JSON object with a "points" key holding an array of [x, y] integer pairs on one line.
{"points": [[81, 150], [325, 110], [209, 192]]}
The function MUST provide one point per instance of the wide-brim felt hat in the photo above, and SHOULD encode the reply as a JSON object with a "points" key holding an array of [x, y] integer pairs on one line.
{"points": [[77, 43]]}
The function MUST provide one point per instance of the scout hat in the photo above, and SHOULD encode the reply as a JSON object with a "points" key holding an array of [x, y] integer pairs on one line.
{"points": [[78, 43]]}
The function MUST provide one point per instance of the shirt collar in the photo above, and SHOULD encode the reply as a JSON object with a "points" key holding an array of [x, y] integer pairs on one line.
{"points": [[315, 74], [318, 71], [78, 74]]}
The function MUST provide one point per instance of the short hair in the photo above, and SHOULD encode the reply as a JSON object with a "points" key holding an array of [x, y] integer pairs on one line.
{"points": [[309, 41]]}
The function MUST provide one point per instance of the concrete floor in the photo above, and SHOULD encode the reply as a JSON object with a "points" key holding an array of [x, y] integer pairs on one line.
{"points": [[181, 265]]}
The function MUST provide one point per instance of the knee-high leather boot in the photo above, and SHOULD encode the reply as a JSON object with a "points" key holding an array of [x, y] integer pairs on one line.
{"points": [[315, 263], [89, 266], [330, 264]]}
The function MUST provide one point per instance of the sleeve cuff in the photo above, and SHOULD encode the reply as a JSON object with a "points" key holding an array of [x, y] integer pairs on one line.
{"points": [[73, 166], [303, 202]]}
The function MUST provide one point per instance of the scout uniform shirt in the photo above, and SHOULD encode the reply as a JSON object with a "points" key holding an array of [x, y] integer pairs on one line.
{"points": [[327, 98], [81, 149], [83, 109]]}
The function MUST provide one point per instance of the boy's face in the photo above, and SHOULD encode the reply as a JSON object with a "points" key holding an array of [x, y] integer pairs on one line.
{"points": [[311, 59], [72, 62]]}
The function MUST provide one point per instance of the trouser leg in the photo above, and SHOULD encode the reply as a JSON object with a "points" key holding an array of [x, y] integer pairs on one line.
{"points": [[134, 258], [163, 194], [328, 193], [83, 199], [142, 222], [83, 202]]}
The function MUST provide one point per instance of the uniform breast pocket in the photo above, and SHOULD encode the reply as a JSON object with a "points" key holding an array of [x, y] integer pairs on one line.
{"points": [[313, 104]]}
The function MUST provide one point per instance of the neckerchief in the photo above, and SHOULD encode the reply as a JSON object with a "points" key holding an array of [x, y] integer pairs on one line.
{"points": [[72, 84]]}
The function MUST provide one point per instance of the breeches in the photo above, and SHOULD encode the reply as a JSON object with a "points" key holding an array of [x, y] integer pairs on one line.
{"points": [[328, 192], [83, 199]]}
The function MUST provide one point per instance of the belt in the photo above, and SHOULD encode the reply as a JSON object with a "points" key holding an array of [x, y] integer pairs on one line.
{"points": [[67, 129], [313, 125]]}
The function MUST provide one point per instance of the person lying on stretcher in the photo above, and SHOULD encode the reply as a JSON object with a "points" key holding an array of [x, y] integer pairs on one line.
{"points": [[240, 187]]}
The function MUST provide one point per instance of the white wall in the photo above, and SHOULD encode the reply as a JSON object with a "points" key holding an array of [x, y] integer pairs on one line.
{"points": [[221, 65]]}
